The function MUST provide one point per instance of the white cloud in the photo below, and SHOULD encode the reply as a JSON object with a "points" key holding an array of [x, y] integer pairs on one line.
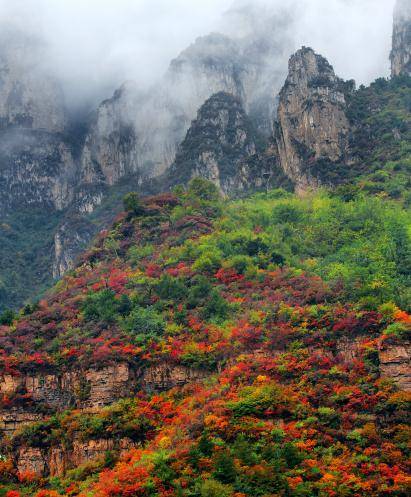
{"points": [[96, 44]]}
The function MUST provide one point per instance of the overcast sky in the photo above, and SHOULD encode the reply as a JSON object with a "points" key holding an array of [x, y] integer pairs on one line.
{"points": [[97, 44]]}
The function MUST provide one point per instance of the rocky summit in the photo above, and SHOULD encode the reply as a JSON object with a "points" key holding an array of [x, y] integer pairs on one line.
{"points": [[312, 122], [223, 146]]}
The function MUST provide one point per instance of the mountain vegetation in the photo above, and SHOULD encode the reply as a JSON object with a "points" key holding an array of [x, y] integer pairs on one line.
{"points": [[281, 304]]}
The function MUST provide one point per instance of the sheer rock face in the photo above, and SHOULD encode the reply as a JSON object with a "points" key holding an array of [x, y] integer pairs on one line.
{"points": [[29, 97], [138, 133], [57, 460], [312, 124], [70, 239], [87, 390], [401, 42], [36, 169], [221, 146], [36, 164]]}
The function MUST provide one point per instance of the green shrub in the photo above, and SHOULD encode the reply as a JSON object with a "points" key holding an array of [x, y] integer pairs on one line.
{"points": [[240, 263], [7, 317], [144, 324], [201, 189], [169, 288], [137, 253], [287, 213], [132, 204], [255, 401], [213, 488], [216, 307], [208, 262], [100, 306], [224, 468], [329, 417], [398, 330]]}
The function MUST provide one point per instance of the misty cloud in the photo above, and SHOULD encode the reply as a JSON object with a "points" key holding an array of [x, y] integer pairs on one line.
{"points": [[95, 45]]}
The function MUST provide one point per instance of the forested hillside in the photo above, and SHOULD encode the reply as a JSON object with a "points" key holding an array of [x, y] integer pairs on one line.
{"points": [[276, 328]]}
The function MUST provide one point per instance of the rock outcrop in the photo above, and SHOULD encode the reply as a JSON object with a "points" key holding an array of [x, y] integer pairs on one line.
{"points": [[313, 128], [40, 395], [395, 363], [401, 41], [223, 146], [55, 461], [30, 398]]}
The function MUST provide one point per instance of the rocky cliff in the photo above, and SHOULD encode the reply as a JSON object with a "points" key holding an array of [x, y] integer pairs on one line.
{"points": [[401, 41], [29, 400], [313, 128], [223, 146], [36, 164]]}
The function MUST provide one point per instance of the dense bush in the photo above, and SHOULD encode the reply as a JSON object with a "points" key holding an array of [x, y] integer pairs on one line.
{"points": [[144, 324]]}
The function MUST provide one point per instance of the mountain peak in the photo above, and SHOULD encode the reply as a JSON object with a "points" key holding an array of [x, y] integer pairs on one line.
{"points": [[313, 125]]}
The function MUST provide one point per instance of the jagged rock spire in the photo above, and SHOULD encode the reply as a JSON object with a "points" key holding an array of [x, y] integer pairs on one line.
{"points": [[313, 127]]}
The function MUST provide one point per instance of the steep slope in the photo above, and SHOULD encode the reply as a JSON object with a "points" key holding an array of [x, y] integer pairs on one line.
{"points": [[197, 351], [37, 167], [72, 168], [401, 42], [380, 138]]}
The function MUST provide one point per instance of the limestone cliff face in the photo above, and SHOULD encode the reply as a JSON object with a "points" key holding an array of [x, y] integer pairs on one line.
{"points": [[29, 97], [33, 397], [71, 237], [313, 129], [57, 460], [395, 363], [36, 169], [36, 164], [221, 145], [401, 41], [110, 147], [138, 133]]}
